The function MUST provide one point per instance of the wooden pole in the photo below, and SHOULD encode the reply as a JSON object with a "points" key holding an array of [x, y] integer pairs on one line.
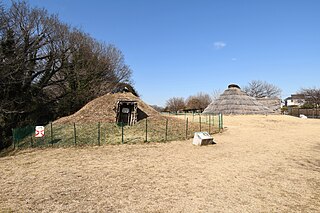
{"points": [[75, 133], [13, 139], [209, 123], [51, 131], [122, 138], [187, 129], [219, 122], [98, 133], [146, 130], [166, 130]]}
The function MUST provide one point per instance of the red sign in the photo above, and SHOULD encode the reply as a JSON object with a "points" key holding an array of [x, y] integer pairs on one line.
{"points": [[39, 131]]}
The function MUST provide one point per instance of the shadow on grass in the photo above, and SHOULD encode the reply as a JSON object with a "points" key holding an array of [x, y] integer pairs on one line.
{"points": [[54, 141]]}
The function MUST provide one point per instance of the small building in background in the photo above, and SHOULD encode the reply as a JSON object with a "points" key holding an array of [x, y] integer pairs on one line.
{"points": [[295, 100]]}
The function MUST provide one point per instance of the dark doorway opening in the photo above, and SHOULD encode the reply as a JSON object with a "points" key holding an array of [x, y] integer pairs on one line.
{"points": [[127, 112]]}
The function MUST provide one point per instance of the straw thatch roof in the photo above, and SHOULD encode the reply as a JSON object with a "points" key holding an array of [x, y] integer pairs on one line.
{"points": [[103, 109], [235, 101], [273, 104]]}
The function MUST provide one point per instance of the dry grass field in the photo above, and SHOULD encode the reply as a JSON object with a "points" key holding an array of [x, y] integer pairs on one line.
{"points": [[259, 164]]}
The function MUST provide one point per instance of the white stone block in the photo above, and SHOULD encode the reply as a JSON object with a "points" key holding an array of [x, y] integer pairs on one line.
{"points": [[202, 138]]}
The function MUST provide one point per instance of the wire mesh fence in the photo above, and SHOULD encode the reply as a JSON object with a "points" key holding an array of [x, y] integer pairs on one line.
{"points": [[161, 129]]}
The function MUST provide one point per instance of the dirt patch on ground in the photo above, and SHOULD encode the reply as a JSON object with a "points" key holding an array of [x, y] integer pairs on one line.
{"points": [[260, 164]]}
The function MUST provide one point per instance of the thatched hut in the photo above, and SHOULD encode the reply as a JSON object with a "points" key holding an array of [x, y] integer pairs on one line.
{"points": [[117, 107], [235, 101], [273, 104]]}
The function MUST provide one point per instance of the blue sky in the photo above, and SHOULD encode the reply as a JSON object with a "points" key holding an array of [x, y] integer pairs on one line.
{"points": [[178, 48]]}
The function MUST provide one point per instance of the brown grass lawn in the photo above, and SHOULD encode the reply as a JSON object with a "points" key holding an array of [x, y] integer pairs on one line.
{"points": [[259, 164]]}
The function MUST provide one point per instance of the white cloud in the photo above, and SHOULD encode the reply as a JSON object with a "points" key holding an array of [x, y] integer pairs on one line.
{"points": [[219, 45]]}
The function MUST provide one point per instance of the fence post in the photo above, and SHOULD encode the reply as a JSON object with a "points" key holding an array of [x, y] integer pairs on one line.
{"points": [[146, 130], [31, 140], [166, 129], [98, 133], [105, 133], [200, 122], [13, 140], [219, 122], [122, 139], [51, 131], [75, 133], [187, 129], [209, 123]]}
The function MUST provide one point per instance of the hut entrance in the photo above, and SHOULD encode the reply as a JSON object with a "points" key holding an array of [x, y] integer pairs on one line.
{"points": [[127, 112]]}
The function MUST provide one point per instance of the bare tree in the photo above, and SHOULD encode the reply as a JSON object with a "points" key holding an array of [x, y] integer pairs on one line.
{"points": [[157, 108], [215, 94], [48, 69], [312, 95], [175, 104], [198, 102], [262, 89]]}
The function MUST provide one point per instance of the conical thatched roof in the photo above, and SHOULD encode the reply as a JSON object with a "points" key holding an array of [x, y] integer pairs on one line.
{"points": [[235, 101]]}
